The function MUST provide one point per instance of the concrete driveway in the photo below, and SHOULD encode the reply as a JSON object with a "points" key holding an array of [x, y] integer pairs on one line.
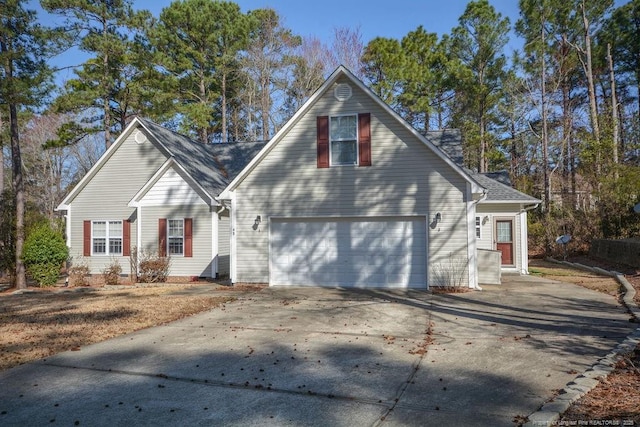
{"points": [[331, 357]]}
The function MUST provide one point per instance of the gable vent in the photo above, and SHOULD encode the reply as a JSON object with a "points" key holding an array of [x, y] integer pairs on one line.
{"points": [[140, 137], [342, 92]]}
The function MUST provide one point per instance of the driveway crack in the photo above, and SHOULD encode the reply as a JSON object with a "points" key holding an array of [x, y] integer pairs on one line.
{"points": [[421, 350]]}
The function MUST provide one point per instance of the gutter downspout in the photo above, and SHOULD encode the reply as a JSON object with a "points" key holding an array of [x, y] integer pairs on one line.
{"points": [[215, 237], [524, 238], [475, 244]]}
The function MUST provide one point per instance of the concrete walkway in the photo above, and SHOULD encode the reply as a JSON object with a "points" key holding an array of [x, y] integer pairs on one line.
{"points": [[331, 357]]}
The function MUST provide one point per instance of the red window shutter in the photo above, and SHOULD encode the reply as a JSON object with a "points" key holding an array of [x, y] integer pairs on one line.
{"points": [[364, 138], [188, 237], [126, 237], [162, 237], [323, 141], [86, 238]]}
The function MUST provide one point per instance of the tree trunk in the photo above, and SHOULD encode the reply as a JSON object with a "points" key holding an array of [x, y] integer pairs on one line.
{"points": [[566, 131], [224, 106], [483, 147], [105, 75], [513, 152], [593, 107], [1, 155], [202, 131], [265, 98], [545, 135], [614, 108], [18, 188]]}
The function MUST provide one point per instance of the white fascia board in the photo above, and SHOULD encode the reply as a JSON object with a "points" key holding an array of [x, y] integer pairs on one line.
{"points": [[519, 203], [95, 168]]}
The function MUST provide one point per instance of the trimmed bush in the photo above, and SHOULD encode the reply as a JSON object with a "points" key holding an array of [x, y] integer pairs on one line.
{"points": [[43, 254], [78, 273], [111, 273], [153, 268]]}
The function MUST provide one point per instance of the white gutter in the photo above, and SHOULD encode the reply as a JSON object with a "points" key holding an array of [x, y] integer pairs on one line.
{"points": [[530, 207]]}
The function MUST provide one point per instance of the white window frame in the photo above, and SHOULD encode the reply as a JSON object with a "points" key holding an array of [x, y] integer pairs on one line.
{"points": [[169, 237], [107, 237], [478, 224], [331, 140]]}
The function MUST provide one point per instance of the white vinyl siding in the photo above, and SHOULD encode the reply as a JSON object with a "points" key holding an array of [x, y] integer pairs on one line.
{"points": [[406, 179], [200, 263], [120, 178], [171, 189]]}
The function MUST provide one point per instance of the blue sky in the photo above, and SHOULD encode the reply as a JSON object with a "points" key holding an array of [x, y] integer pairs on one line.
{"points": [[385, 18]]}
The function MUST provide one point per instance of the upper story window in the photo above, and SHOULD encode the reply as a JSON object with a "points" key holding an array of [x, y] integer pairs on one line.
{"points": [[175, 237], [478, 227], [106, 237], [344, 140]]}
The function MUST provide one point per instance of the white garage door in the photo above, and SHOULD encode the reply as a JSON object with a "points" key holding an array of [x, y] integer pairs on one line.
{"points": [[372, 252]]}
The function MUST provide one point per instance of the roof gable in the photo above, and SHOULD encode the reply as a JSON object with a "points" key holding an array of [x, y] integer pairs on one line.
{"points": [[212, 166], [342, 72], [208, 168], [135, 123], [170, 185]]}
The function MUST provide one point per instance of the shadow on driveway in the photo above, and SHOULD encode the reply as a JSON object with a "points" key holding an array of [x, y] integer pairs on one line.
{"points": [[330, 357]]}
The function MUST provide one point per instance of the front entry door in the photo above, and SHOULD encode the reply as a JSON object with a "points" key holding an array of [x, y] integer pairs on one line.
{"points": [[504, 240]]}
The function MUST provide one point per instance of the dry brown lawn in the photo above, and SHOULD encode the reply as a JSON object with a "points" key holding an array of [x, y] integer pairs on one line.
{"points": [[554, 271], [616, 400], [46, 322]]}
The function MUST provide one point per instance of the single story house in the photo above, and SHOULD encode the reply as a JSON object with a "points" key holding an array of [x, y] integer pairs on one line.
{"points": [[346, 194]]}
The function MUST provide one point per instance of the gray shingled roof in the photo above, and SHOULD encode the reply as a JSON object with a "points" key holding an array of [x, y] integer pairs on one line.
{"points": [[498, 184], [498, 192], [449, 141], [213, 166]]}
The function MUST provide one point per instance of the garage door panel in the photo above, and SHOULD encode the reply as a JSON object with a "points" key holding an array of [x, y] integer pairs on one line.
{"points": [[389, 252]]}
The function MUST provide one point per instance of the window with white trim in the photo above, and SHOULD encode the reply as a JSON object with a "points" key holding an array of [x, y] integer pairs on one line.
{"points": [[175, 236], [343, 134], [478, 227], [106, 237]]}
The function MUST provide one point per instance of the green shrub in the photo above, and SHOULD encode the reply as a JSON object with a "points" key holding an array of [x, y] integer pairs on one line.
{"points": [[43, 254]]}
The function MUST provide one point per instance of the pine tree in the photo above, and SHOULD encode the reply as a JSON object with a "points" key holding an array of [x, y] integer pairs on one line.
{"points": [[109, 88], [24, 83], [478, 41]]}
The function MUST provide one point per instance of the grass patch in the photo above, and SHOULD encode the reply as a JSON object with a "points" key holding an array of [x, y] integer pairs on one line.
{"points": [[562, 273]]}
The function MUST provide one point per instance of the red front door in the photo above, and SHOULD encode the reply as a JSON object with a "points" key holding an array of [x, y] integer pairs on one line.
{"points": [[504, 240]]}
